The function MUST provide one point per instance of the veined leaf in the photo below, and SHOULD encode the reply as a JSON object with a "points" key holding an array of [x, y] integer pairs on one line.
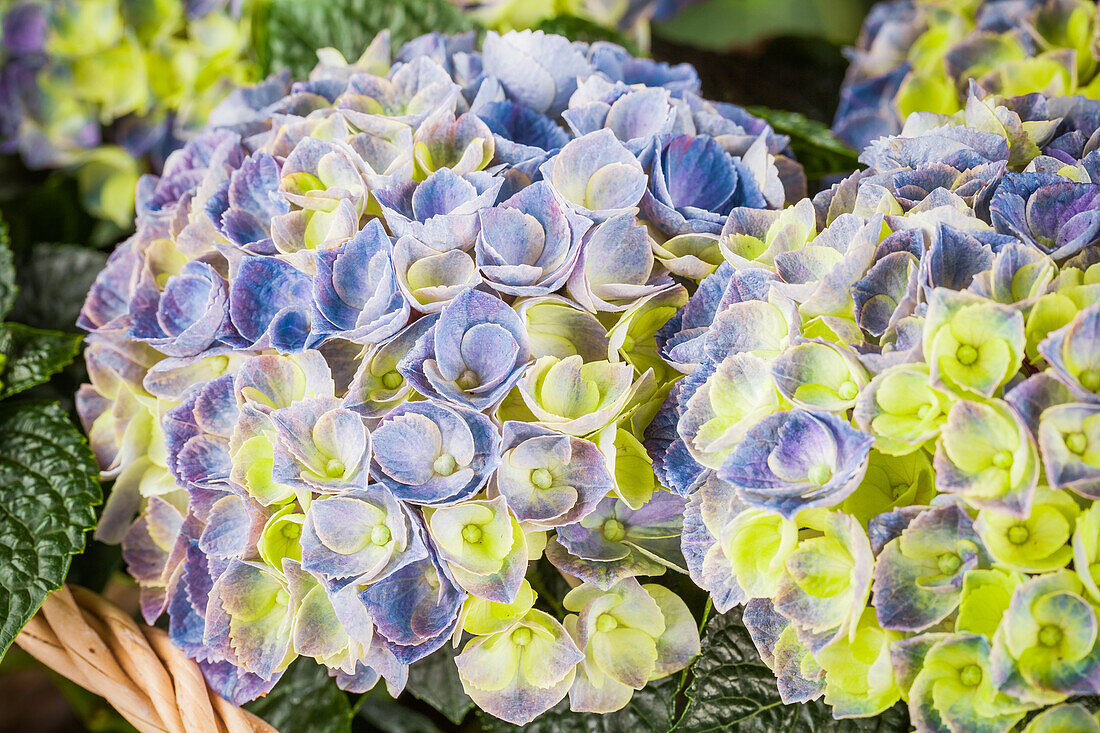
{"points": [[305, 700], [290, 31], [435, 681], [8, 289], [819, 151], [30, 356], [53, 282], [48, 491]]}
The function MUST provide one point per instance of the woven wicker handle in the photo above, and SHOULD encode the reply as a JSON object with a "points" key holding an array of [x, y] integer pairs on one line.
{"points": [[135, 668]]}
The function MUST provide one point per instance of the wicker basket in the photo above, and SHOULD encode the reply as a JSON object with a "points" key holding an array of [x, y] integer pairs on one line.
{"points": [[92, 642]]}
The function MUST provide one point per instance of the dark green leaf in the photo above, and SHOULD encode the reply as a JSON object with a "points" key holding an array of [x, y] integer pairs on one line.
{"points": [[48, 491], [733, 690], [380, 712], [31, 356], [94, 567], [582, 29], [649, 711], [819, 151], [7, 273], [53, 280], [810, 131], [549, 586], [44, 206], [726, 24], [305, 700], [290, 31], [435, 681]]}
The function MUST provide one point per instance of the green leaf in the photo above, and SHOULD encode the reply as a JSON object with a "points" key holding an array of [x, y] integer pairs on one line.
{"points": [[708, 25], [53, 280], [8, 289], [29, 356], [305, 700], [383, 714], [819, 151], [93, 568], [290, 31], [733, 690], [48, 491], [582, 29], [44, 206], [435, 681], [651, 710]]}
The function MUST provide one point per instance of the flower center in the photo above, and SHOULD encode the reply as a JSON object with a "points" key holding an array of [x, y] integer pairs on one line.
{"points": [[1003, 459], [392, 379], [219, 364], [923, 410], [334, 468], [948, 563], [1050, 635], [471, 533], [444, 465], [898, 489], [606, 622], [819, 474], [380, 535], [468, 379], [966, 354], [971, 675], [848, 390], [541, 478], [613, 530], [521, 636], [1076, 443], [1090, 380], [290, 530], [1018, 534]]}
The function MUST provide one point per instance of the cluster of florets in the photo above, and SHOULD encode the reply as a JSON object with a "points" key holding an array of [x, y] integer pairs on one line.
{"points": [[918, 55], [385, 338], [889, 427], [108, 86]]}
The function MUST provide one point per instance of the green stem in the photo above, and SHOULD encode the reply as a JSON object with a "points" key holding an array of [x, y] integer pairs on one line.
{"points": [[539, 586]]}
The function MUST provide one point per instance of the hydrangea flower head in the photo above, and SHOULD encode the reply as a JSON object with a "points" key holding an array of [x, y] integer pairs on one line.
{"points": [[917, 57], [385, 336], [885, 428]]}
